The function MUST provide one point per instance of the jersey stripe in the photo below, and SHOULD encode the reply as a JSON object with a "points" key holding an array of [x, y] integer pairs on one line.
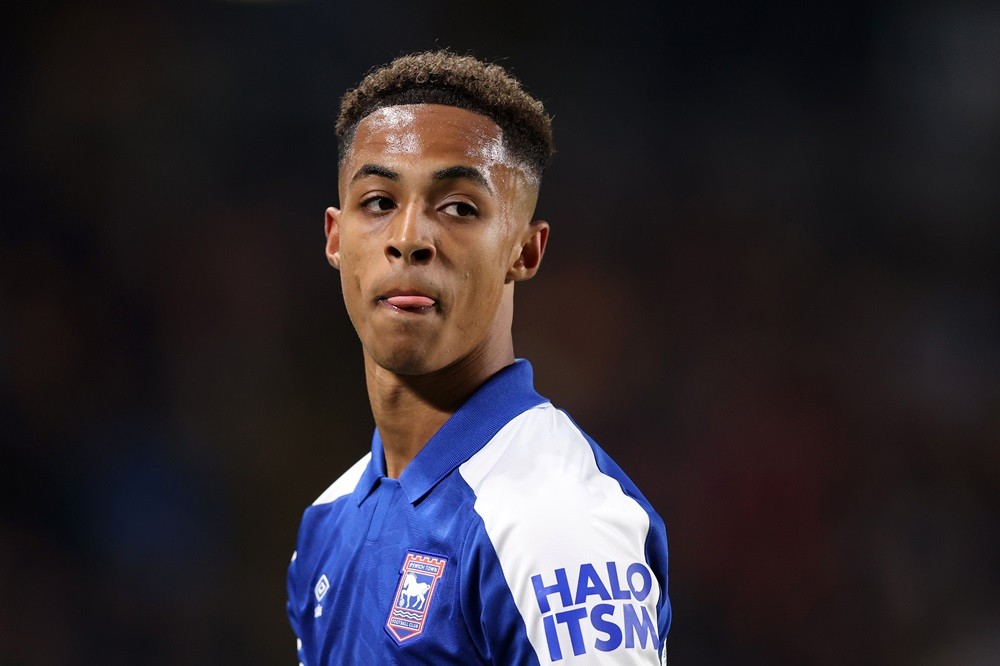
{"points": [[346, 483], [547, 506]]}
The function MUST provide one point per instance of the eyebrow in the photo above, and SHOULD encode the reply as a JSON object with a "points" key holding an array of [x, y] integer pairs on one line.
{"points": [[374, 170], [467, 172], [447, 173]]}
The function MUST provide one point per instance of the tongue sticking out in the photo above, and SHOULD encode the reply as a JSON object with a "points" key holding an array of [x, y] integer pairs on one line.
{"points": [[410, 302]]}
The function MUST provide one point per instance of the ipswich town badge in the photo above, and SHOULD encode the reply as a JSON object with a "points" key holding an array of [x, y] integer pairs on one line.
{"points": [[417, 582]]}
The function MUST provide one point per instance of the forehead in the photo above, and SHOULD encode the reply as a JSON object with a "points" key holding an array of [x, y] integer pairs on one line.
{"points": [[427, 131]]}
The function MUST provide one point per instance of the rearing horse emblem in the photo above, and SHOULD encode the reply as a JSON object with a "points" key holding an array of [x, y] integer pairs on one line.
{"points": [[413, 589], [417, 580]]}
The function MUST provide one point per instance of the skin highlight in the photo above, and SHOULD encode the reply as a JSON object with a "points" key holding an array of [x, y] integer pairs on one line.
{"points": [[434, 229]]}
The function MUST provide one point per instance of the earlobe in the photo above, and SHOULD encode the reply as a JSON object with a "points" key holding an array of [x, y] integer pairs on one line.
{"points": [[332, 230], [532, 249]]}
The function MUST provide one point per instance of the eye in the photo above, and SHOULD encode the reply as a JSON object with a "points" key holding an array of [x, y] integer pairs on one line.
{"points": [[378, 204], [460, 209]]}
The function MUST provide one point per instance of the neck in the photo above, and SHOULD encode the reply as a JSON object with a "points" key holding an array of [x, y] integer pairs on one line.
{"points": [[409, 409]]}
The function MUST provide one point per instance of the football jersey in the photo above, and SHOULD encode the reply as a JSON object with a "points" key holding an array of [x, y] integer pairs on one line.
{"points": [[510, 538]]}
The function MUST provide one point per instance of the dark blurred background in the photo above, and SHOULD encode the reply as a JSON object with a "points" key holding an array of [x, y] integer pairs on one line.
{"points": [[771, 293]]}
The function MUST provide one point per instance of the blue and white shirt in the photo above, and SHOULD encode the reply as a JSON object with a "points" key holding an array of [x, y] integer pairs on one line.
{"points": [[511, 538]]}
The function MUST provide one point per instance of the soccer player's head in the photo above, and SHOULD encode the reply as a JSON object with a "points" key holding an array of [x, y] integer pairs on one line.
{"points": [[442, 77], [440, 161]]}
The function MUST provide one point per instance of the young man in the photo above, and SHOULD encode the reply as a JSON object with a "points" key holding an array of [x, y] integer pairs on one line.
{"points": [[484, 527]]}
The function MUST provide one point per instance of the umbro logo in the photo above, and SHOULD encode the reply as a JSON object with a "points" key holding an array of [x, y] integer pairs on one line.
{"points": [[322, 585]]}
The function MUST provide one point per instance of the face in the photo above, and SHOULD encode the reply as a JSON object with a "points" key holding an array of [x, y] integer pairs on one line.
{"points": [[434, 229]]}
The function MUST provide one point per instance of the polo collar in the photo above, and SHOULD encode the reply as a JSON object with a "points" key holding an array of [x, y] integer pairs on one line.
{"points": [[502, 397]]}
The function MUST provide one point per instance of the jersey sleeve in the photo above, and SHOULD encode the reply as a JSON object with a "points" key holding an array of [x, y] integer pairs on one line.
{"points": [[656, 541], [491, 615], [300, 606], [571, 545]]}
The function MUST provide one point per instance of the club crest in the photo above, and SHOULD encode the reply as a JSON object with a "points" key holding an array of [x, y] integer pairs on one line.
{"points": [[417, 581]]}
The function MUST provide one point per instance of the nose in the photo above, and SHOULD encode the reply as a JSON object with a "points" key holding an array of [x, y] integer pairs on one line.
{"points": [[408, 238]]}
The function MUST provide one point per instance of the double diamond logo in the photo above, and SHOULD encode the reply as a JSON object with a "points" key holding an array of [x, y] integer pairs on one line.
{"points": [[322, 585]]}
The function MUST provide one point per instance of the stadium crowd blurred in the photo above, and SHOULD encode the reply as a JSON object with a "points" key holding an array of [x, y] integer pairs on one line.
{"points": [[771, 293]]}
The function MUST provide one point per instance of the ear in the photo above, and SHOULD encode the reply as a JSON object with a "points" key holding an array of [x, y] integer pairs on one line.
{"points": [[332, 227], [532, 248]]}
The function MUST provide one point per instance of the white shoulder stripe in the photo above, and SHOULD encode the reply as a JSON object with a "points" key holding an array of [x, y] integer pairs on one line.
{"points": [[347, 482], [554, 517]]}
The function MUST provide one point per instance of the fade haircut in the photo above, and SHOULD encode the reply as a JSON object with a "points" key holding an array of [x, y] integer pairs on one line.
{"points": [[443, 77]]}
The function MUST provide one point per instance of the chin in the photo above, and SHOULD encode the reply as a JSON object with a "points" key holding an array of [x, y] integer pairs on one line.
{"points": [[404, 361]]}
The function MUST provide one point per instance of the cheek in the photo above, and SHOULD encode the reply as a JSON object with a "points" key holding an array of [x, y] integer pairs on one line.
{"points": [[355, 254], [350, 278], [483, 280], [489, 254]]}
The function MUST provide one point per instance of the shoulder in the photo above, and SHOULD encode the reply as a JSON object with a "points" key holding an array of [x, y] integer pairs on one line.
{"points": [[346, 483], [541, 470], [318, 518], [576, 542]]}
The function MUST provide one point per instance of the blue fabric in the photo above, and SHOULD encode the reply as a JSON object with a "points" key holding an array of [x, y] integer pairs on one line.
{"points": [[360, 541], [354, 554], [656, 540]]}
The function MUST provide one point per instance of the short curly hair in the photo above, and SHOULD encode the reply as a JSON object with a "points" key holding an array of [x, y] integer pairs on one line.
{"points": [[443, 77]]}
